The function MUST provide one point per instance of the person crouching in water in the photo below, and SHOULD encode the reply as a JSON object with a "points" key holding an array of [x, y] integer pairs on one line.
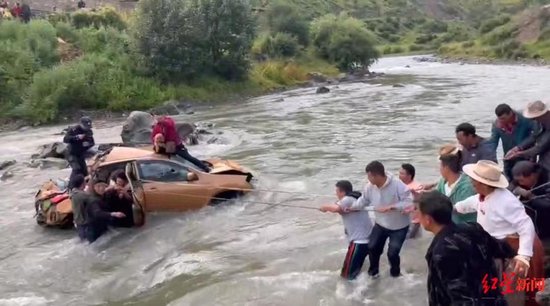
{"points": [[357, 227], [90, 220], [118, 197], [461, 257], [166, 139], [503, 216]]}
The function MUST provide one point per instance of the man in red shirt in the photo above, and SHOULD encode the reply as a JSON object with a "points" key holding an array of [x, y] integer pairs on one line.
{"points": [[166, 127]]}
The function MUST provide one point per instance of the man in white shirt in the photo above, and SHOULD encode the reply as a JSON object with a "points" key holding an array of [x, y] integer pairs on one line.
{"points": [[503, 216]]}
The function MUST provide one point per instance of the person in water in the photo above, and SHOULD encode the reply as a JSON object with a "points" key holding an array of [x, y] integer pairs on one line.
{"points": [[357, 227], [531, 185], [512, 129], [537, 146], [503, 216], [474, 147], [118, 198], [461, 257], [80, 138], [389, 197], [407, 174], [89, 218], [453, 183], [166, 127]]}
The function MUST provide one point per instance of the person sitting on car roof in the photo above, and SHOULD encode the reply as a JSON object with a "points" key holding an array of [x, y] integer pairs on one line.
{"points": [[170, 142]]}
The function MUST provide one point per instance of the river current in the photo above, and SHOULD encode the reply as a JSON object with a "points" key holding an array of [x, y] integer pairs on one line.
{"points": [[253, 254]]}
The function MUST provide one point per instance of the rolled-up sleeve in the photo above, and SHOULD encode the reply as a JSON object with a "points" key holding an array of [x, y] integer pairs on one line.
{"points": [[467, 206]]}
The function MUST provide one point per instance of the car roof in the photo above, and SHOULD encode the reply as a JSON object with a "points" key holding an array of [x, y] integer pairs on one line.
{"points": [[121, 154]]}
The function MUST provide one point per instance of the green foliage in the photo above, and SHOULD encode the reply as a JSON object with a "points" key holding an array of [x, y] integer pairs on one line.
{"points": [[24, 49], [492, 23], [105, 17], [434, 26], [285, 18], [344, 41], [280, 45], [500, 34], [194, 39]]}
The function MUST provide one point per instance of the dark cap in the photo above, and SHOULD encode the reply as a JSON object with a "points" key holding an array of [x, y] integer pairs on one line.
{"points": [[86, 122]]}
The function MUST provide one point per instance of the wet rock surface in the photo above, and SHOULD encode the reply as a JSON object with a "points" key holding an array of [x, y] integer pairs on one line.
{"points": [[322, 90], [6, 164]]}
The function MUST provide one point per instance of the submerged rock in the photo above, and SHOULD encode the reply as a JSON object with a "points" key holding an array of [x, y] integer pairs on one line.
{"points": [[46, 163], [6, 175], [6, 164], [322, 90], [398, 85]]}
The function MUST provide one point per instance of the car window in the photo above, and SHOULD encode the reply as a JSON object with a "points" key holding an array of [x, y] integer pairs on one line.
{"points": [[161, 171]]}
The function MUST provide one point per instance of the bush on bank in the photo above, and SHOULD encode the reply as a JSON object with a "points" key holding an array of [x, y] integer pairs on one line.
{"points": [[202, 51]]}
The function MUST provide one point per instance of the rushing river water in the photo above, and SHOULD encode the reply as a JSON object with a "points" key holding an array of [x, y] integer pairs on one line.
{"points": [[252, 254]]}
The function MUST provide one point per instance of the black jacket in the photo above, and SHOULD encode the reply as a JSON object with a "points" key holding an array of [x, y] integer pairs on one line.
{"points": [[78, 146], [459, 258], [87, 209], [539, 207]]}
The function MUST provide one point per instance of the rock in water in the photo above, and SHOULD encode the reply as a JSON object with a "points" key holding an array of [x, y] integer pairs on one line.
{"points": [[138, 127], [322, 90], [56, 150], [169, 108], [46, 163], [6, 164], [398, 85], [6, 175]]}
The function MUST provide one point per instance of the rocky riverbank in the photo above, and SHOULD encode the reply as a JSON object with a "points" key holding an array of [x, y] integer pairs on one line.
{"points": [[482, 61]]}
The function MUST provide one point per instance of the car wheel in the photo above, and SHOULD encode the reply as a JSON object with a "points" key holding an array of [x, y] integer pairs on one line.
{"points": [[224, 197]]}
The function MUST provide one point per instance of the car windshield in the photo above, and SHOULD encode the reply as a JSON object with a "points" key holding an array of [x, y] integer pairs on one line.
{"points": [[185, 162]]}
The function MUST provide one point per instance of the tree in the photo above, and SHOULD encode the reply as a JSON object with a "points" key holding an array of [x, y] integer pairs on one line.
{"points": [[344, 41], [285, 18], [184, 39]]}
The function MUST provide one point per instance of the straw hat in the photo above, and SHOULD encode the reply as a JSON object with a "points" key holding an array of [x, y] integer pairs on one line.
{"points": [[535, 110], [486, 172]]}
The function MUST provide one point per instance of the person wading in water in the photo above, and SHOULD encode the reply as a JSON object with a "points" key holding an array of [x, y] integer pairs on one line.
{"points": [[460, 256], [80, 138], [503, 216]]}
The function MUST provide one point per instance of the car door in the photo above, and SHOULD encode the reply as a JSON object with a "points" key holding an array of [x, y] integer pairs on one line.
{"points": [[138, 194], [167, 188]]}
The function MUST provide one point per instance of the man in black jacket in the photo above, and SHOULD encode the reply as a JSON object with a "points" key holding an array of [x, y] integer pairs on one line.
{"points": [[80, 139], [531, 185], [90, 220], [460, 258]]}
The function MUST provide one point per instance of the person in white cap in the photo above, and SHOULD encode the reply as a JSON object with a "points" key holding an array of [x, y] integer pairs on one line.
{"points": [[503, 216], [538, 145]]}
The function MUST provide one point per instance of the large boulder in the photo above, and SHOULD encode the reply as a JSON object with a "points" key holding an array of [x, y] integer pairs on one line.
{"points": [[46, 163], [55, 150], [138, 126]]}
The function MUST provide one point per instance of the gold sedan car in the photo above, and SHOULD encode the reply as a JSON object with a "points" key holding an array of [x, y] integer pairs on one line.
{"points": [[158, 183]]}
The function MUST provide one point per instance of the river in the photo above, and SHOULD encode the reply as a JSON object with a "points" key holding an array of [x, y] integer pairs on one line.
{"points": [[252, 254]]}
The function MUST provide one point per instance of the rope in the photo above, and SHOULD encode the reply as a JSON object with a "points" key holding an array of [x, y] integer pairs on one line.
{"points": [[368, 208], [246, 189]]}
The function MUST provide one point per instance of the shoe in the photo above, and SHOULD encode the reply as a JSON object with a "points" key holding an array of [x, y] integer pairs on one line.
{"points": [[375, 276], [399, 275]]}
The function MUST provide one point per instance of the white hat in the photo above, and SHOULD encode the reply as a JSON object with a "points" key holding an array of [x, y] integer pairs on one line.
{"points": [[535, 110], [486, 172]]}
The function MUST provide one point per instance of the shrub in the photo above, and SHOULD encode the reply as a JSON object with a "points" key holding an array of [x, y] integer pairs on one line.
{"points": [[105, 17], [280, 45], [344, 41], [492, 23], [194, 39], [425, 38], [285, 18], [414, 48], [468, 44], [500, 34], [434, 26], [387, 50], [66, 32]]}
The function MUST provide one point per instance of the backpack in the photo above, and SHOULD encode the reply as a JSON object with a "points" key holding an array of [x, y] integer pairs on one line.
{"points": [[53, 207]]}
